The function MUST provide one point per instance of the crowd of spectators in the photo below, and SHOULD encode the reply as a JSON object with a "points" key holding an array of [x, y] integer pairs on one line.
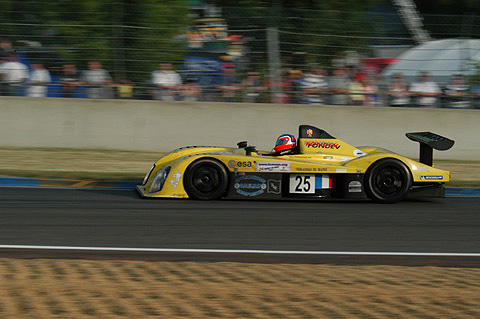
{"points": [[314, 86], [311, 85], [34, 80]]}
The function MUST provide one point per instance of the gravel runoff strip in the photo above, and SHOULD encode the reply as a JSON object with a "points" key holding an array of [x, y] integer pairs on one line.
{"points": [[68, 288]]}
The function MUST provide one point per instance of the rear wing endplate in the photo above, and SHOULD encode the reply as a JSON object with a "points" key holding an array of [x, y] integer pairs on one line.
{"points": [[428, 142]]}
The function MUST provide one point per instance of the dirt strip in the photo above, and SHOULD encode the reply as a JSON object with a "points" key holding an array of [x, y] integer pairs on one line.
{"points": [[59, 288]]}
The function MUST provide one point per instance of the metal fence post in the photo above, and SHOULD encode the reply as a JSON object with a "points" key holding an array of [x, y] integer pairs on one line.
{"points": [[274, 63]]}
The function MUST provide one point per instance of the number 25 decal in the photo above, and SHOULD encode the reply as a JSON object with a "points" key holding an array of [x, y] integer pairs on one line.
{"points": [[302, 183]]}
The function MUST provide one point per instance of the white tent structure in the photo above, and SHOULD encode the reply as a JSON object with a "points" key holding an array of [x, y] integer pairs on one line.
{"points": [[442, 58]]}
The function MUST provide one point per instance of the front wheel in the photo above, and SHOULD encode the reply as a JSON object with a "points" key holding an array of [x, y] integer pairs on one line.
{"points": [[388, 181], [205, 179]]}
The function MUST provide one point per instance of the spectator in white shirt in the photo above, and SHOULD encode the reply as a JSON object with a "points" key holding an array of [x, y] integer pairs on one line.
{"points": [[457, 92], [339, 84], [97, 79], [13, 74], [167, 83], [426, 91], [39, 80], [314, 85], [398, 91]]}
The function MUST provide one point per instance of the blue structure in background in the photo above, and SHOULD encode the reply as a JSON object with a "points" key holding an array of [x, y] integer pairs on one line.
{"points": [[206, 72]]}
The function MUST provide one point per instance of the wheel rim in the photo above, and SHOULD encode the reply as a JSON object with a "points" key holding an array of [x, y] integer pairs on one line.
{"points": [[389, 181], [206, 179]]}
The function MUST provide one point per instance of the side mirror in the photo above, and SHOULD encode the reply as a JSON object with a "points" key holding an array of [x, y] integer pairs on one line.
{"points": [[242, 144]]}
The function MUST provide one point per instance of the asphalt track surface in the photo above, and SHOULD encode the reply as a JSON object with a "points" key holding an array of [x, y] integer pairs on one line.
{"points": [[120, 218]]}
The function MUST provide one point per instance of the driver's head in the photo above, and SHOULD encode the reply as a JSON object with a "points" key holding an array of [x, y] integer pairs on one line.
{"points": [[285, 145]]}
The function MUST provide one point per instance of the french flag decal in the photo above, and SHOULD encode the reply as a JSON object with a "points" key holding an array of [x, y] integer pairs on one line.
{"points": [[324, 181]]}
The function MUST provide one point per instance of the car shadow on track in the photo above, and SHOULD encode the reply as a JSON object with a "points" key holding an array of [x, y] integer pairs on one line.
{"points": [[132, 194]]}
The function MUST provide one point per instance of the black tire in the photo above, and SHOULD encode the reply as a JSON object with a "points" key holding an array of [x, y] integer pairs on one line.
{"points": [[388, 181], [205, 179]]}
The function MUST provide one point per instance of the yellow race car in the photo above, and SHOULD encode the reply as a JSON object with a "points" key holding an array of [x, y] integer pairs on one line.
{"points": [[318, 166]]}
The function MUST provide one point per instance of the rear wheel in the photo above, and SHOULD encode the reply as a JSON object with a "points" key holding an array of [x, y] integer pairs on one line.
{"points": [[205, 179], [388, 181]]}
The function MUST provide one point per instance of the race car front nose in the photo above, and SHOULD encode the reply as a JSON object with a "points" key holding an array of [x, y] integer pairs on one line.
{"points": [[159, 180], [147, 176]]}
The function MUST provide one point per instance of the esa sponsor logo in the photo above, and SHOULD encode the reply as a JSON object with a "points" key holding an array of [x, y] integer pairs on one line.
{"points": [[331, 145], [431, 177], [250, 185], [235, 164], [273, 167]]}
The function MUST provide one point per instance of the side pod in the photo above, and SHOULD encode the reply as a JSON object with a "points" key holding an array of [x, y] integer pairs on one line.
{"points": [[429, 141]]}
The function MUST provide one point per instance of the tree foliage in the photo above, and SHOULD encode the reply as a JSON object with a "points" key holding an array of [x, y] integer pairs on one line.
{"points": [[309, 31], [129, 37]]}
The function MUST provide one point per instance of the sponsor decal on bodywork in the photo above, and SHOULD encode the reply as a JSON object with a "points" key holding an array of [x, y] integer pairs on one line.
{"points": [[359, 153], [274, 186], [273, 167], [308, 183], [250, 185], [355, 187], [322, 144], [323, 181], [176, 179], [311, 169], [431, 177], [237, 164]]}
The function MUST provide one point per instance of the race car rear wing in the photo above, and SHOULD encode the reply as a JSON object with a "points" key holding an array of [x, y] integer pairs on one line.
{"points": [[429, 141]]}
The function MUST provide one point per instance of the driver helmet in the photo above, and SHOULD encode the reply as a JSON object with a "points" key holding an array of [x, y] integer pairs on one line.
{"points": [[286, 144]]}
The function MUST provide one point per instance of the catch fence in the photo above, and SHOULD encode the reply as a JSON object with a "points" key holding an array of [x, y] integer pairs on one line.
{"points": [[235, 54]]}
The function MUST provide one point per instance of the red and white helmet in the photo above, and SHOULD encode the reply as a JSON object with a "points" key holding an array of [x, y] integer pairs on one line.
{"points": [[286, 144]]}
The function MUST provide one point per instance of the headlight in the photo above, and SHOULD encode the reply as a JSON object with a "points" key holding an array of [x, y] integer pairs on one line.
{"points": [[159, 180], [148, 175]]}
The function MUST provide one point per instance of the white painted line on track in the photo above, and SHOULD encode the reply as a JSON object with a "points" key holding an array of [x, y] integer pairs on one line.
{"points": [[233, 251]]}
